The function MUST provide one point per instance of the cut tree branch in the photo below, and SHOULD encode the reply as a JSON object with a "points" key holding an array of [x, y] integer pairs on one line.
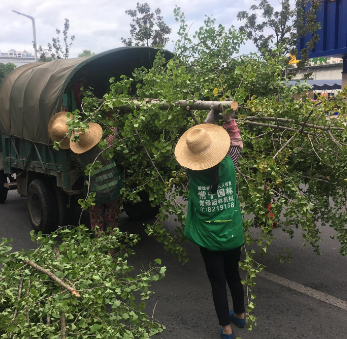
{"points": [[6, 277], [197, 122], [48, 314], [285, 145], [293, 122], [53, 277], [308, 117], [198, 105], [267, 125], [27, 295], [62, 325], [218, 107], [314, 149], [333, 139], [20, 288]]}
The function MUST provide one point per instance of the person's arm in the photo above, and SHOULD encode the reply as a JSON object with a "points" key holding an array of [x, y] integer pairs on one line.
{"points": [[236, 143], [230, 126], [110, 138]]}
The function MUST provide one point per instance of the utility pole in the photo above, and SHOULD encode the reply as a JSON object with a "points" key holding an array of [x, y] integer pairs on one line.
{"points": [[34, 30]]}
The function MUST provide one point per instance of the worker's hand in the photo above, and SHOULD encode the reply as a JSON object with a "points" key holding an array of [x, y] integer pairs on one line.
{"points": [[228, 114], [210, 117]]}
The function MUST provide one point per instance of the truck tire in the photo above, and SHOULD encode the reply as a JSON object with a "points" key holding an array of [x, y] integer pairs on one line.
{"points": [[3, 190], [42, 206], [141, 209]]}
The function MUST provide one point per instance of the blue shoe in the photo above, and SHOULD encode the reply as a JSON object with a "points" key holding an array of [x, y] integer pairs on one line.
{"points": [[225, 336], [238, 322]]}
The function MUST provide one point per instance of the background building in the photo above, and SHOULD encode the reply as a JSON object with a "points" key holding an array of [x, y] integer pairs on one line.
{"points": [[18, 58], [324, 68], [325, 75]]}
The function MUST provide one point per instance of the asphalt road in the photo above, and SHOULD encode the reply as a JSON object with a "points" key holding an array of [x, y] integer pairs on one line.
{"points": [[310, 302]]}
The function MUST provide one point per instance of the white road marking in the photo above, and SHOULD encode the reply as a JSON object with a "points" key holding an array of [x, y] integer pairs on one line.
{"points": [[329, 299]]}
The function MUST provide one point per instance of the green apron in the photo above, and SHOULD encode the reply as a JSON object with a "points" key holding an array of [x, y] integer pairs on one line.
{"points": [[106, 181], [214, 221]]}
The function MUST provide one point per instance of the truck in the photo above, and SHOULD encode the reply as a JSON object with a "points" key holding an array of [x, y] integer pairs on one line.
{"points": [[29, 96]]}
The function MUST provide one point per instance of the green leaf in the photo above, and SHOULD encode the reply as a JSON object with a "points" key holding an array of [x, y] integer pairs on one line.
{"points": [[59, 274], [238, 70], [94, 328]]}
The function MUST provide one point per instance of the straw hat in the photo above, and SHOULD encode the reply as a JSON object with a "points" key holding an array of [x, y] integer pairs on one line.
{"points": [[57, 129], [202, 146], [87, 140]]}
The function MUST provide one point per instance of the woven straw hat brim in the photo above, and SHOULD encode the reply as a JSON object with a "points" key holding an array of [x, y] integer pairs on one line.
{"points": [[90, 138], [60, 117], [208, 158]]}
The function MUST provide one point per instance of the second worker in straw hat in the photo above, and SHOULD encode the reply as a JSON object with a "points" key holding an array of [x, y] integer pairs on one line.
{"points": [[214, 220], [105, 182]]}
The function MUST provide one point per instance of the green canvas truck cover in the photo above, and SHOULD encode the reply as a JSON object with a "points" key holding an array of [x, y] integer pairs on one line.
{"points": [[31, 94]]}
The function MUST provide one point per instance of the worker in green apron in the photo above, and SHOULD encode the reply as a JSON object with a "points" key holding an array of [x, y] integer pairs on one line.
{"points": [[106, 182], [214, 220]]}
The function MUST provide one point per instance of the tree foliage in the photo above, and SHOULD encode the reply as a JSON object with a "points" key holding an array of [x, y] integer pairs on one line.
{"points": [[6, 69], [58, 49], [294, 157], [107, 298], [292, 173], [275, 28], [86, 53], [147, 28]]}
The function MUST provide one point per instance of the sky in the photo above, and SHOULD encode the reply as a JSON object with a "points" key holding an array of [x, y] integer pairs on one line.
{"points": [[99, 25]]}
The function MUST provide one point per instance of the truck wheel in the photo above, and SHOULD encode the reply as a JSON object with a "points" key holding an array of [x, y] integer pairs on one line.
{"points": [[3, 190], [141, 209], [42, 206]]}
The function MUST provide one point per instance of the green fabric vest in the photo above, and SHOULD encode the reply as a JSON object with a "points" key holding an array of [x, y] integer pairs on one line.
{"points": [[214, 221], [106, 181]]}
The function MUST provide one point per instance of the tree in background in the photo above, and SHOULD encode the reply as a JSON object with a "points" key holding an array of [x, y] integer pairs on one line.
{"points": [[147, 28], [86, 54], [58, 49], [5, 69], [281, 28]]}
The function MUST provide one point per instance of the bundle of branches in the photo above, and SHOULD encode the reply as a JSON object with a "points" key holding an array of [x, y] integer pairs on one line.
{"points": [[75, 288]]}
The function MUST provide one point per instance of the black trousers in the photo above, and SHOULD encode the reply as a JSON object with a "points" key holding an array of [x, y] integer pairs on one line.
{"points": [[223, 267]]}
